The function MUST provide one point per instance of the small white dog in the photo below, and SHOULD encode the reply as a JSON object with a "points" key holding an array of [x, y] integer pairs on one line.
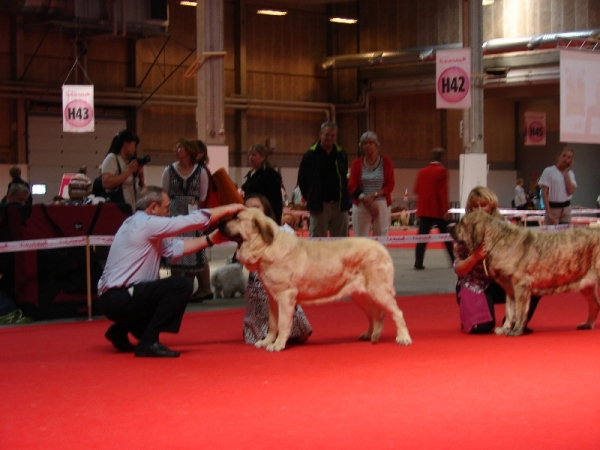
{"points": [[228, 280]]}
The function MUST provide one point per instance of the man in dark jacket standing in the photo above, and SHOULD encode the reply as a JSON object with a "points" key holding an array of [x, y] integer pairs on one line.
{"points": [[323, 181]]}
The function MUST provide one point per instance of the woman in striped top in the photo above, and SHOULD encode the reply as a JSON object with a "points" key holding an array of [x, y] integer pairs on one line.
{"points": [[371, 184]]}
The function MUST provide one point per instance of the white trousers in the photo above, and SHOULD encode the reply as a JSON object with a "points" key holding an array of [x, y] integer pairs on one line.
{"points": [[363, 220]]}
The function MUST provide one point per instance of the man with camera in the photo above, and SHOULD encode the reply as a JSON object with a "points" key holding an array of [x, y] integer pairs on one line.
{"points": [[122, 172], [132, 292]]}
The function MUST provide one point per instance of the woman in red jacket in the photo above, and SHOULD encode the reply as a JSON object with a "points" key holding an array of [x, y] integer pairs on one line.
{"points": [[371, 184]]}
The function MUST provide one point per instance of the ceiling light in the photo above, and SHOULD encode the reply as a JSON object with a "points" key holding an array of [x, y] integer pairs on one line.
{"points": [[343, 20], [186, 3], [271, 12], [487, 2]]}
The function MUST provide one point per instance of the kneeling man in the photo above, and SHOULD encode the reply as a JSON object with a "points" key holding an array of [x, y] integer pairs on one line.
{"points": [[132, 292]]}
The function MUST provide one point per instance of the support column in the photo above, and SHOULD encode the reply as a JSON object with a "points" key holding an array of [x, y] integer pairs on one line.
{"points": [[473, 161], [209, 79], [241, 119]]}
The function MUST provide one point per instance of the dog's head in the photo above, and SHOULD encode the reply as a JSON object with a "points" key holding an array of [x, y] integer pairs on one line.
{"points": [[471, 229], [253, 231]]}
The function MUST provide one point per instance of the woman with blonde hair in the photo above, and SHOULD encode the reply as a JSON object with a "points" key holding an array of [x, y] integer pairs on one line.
{"points": [[476, 291]]}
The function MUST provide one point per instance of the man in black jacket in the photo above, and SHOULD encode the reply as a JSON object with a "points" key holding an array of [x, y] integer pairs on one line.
{"points": [[323, 181]]}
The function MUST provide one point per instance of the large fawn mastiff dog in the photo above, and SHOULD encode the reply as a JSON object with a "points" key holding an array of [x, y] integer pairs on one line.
{"points": [[294, 270], [525, 262]]}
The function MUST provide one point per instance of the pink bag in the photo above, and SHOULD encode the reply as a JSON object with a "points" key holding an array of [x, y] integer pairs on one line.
{"points": [[473, 309]]}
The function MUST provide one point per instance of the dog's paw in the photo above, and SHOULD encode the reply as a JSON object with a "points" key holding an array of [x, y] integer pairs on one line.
{"points": [[366, 336], [501, 330], [585, 326], [514, 332], [261, 344], [403, 340], [275, 347]]}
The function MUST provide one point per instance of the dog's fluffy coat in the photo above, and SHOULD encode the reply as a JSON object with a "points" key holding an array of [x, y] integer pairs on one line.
{"points": [[294, 270], [525, 262]]}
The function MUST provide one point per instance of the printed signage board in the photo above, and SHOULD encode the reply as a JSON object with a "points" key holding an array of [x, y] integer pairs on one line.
{"points": [[78, 108], [453, 80]]}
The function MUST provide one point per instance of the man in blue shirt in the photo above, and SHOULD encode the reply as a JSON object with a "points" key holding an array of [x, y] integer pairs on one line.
{"points": [[133, 294]]}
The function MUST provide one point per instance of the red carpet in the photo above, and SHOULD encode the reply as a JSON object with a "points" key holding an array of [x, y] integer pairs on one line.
{"points": [[63, 387]]}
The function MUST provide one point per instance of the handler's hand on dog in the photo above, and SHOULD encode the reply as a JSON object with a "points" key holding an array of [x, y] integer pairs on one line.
{"points": [[480, 252], [216, 237], [225, 211]]}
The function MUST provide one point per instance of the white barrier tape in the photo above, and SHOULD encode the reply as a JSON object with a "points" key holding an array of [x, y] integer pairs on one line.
{"points": [[426, 238], [410, 239], [535, 212], [80, 241], [41, 244], [102, 240], [505, 212], [46, 244]]}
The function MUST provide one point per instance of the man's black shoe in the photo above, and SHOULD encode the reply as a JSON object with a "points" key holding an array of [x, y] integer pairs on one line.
{"points": [[419, 267], [156, 350], [119, 339], [201, 298]]}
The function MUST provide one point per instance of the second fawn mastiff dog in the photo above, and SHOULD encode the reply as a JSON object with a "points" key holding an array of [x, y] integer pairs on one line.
{"points": [[294, 270], [525, 262]]}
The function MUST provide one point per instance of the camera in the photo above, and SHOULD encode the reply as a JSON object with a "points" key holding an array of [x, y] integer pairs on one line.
{"points": [[142, 160]]}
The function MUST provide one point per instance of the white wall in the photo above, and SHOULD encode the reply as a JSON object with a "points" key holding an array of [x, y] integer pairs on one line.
{"points": [[53, 153]]}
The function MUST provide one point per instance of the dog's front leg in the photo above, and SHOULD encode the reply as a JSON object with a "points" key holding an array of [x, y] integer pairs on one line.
{"points": [[272, 333], [509, 317], [286, 302], [521, 307], [591, 295]]}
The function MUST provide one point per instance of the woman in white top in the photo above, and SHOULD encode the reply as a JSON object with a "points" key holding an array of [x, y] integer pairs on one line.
{"points": [[122, 176]]}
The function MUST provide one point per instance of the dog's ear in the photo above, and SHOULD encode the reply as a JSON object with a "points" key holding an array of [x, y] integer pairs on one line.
{"points": [[265, 231]]}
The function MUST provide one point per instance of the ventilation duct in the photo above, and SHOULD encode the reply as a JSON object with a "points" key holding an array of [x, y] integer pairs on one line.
{"points": [[408, 56], [579, 39], [542, 42]]}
